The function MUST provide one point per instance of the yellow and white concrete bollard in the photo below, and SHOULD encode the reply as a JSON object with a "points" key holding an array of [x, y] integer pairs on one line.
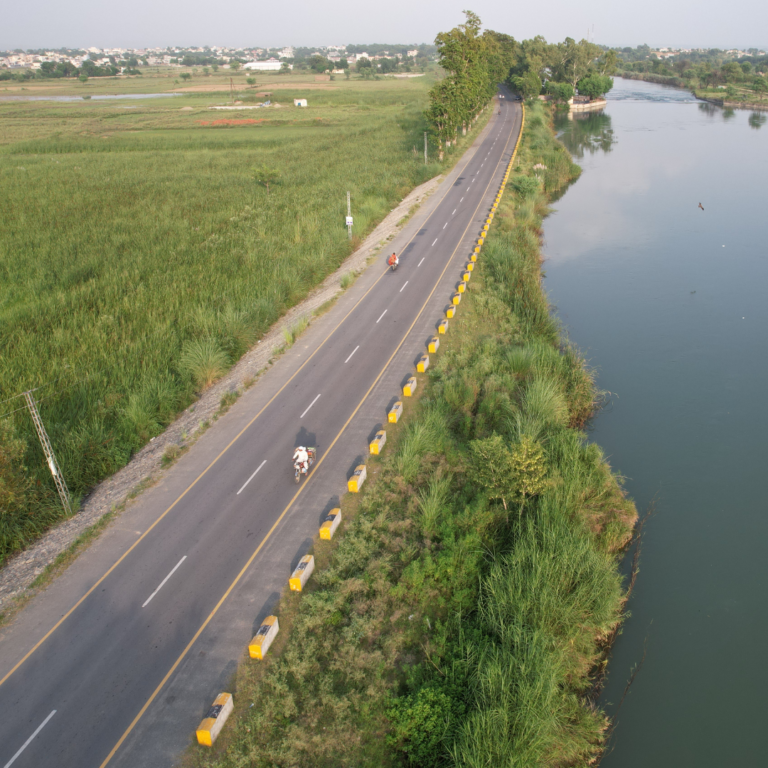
{"points": [[301, 574], [267, 632]]}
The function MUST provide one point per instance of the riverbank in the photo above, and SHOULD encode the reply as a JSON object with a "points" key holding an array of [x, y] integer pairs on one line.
{"points": [[717, 97], [486, 541]]}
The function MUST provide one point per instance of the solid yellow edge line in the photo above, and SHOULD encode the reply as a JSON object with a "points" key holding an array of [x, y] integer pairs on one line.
{"points": [[205, 471], [296, 495]]}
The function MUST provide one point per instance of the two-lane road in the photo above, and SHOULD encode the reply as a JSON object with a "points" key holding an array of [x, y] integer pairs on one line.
{"points": [[119, 658]]}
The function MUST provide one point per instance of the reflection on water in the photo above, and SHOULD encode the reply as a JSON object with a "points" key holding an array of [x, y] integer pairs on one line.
{"points": [[95, 97], [585, 132], [757, 120], [710, 110]]}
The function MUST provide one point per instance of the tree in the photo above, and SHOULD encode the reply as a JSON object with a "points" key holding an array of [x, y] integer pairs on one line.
{"points": [[467, 57], [594, 85], [560, 92], [575, 59], [185, 76], [363, 64], [83, 78], [606, 65], [527, 85], [266, 175], [250, 80], [319, 63], [234, 65], [731, 71]]}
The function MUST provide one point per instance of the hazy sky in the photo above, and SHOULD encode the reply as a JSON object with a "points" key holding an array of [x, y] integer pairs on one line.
{"points": [[140, 23]]}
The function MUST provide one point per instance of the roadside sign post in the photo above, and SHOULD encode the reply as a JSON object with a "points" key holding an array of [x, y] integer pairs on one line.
{"points": [[425, 147], [349, 216]]}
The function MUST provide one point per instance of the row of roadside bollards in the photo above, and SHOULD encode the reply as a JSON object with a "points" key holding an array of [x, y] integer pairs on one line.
{"points": [[223, 705]]}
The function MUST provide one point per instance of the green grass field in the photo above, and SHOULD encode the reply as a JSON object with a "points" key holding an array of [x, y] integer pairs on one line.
{"points": [[139, 258]]}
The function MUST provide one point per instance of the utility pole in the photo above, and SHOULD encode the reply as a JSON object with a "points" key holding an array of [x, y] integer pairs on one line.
{"points": [[349, 215], [50, 457], [425, 147]]}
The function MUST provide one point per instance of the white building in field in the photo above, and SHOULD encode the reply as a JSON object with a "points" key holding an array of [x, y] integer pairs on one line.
{"points": [[270, 65]]}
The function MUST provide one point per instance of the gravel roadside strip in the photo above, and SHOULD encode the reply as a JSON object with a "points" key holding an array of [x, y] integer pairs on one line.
{"points": [[145, 467]]}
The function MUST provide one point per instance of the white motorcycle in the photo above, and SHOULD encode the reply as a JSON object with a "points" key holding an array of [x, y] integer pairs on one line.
{"points": [[301, 468]]}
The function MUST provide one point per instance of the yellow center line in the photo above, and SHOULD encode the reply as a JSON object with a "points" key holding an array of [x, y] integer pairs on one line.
{"points": [[205, 471], [317, 466]]}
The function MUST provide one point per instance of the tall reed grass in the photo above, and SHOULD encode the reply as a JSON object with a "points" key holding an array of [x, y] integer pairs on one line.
{"points": [[139, 259]]}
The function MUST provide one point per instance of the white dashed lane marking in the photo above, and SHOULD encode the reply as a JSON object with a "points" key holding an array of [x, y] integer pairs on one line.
{"points": [[254, 474], [309, 406], [29, 740], [162, 583]]}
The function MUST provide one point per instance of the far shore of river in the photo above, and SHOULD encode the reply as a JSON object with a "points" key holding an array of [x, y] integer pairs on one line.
{"points": [[649, 77]]}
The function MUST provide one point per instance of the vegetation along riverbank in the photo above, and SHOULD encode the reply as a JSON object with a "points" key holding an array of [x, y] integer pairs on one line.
{"points": [[713, 76], [461, 613]]}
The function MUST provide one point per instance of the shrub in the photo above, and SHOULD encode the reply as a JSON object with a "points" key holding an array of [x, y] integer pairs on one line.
{"points": [[421, 724], [525, 186], [204, 360]]}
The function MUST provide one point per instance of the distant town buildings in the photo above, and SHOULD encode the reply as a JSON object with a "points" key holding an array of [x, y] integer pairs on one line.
{"points": [[259, 59], [270, 65]]}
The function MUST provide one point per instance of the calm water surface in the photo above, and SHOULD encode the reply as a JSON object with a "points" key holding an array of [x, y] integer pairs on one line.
{"points": [[95, 97], [670, 304]]}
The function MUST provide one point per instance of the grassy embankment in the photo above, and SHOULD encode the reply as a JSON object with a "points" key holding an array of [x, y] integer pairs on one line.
{"points": [[458, 618], [139, 258]]}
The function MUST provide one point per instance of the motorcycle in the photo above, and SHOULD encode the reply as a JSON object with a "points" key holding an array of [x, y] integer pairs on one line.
{"points": [[302, 467], [393, 262]]}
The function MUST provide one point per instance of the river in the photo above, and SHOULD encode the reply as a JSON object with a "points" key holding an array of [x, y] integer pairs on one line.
{"points": [[668, 302]]}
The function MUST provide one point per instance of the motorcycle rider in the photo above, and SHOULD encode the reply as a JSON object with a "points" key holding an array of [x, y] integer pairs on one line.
{"points": [[301, 458], [393, 261]]}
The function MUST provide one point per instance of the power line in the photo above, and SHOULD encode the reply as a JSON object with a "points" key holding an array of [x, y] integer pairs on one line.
{"points": [[35, 389], [2, 402], [23, 408], [42, 399]]}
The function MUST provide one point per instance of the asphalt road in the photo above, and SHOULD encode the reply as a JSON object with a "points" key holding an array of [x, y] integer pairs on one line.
{"points": [[118, 660]]}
